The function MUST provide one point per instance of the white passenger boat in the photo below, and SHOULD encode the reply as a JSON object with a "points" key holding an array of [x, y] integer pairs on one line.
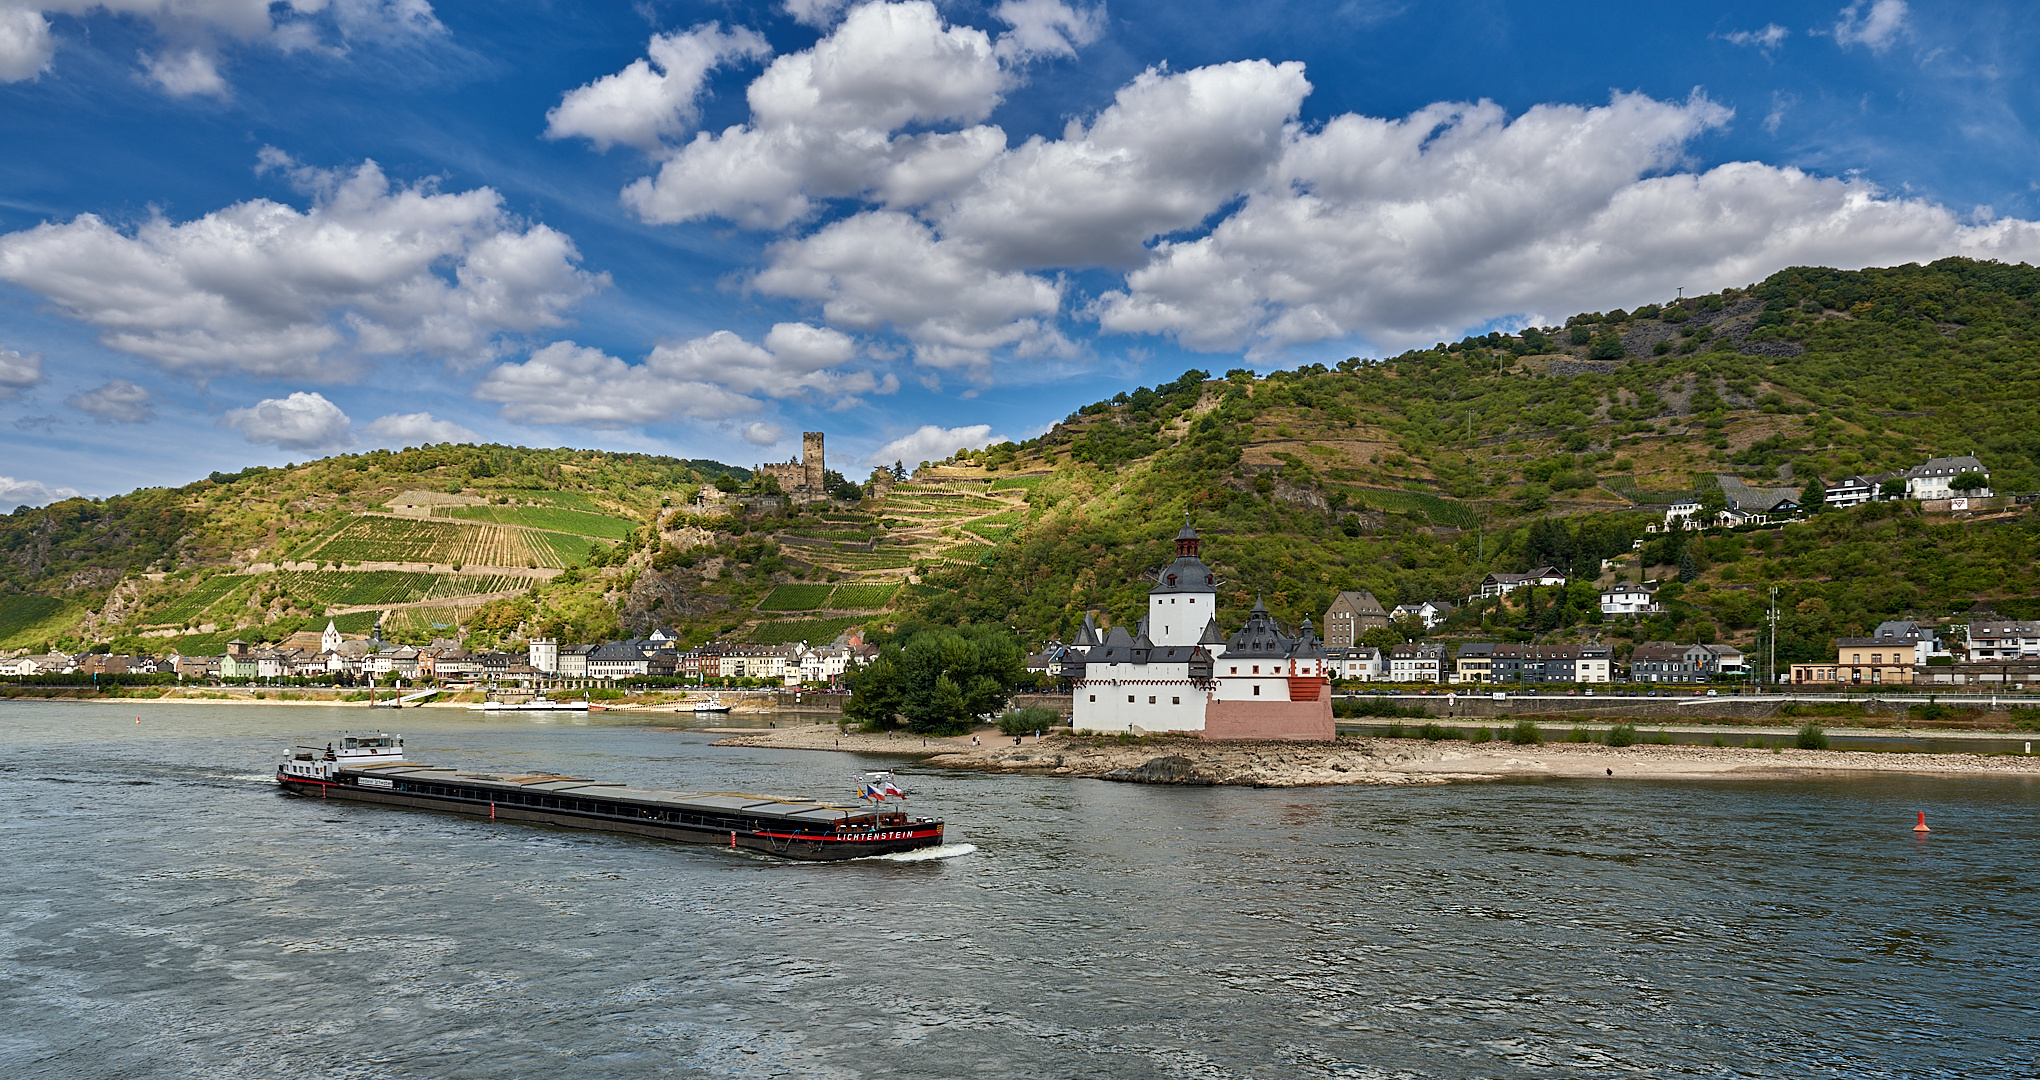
{"points": [[540, 703]]}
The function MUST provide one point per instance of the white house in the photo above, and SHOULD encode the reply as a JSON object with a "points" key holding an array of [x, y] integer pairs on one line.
{"points": [[1497, 584], [1430, 613], [1630, 598], [1416, 662], [2002, 639], [1931, 479], [1361, 663]]}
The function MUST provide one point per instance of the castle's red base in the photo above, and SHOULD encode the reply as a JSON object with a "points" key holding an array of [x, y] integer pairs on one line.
{"points": [[1300, 720]]}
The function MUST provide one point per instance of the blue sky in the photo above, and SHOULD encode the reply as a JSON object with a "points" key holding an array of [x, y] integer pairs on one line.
{"points": [[234, 232]]}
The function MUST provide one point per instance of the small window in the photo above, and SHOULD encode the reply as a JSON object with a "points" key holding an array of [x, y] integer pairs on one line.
{"points": [[1094, 697], [1129, 699], [1151, 699], [1257, 689], [1175, 701], [1257, 669]]}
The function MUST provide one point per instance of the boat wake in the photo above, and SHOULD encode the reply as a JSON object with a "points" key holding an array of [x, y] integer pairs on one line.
{"points": [[940, 851]]}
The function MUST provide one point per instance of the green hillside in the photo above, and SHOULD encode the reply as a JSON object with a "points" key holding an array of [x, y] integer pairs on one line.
{"points": [[1412, 477]]}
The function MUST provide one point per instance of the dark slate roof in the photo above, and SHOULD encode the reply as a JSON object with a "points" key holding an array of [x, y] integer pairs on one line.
{"points": [[1087, 636], [1261, 637], [1211, 634]]}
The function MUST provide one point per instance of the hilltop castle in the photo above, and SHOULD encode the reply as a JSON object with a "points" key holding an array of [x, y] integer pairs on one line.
{"points": [[802, 479], [1178, 673]]}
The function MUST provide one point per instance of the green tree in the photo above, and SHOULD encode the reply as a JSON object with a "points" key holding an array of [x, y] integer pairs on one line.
{"points": [[1893, 488], [1969, 481], [1382, 637], [939, 682], [1814, 497], [1713, 501]]}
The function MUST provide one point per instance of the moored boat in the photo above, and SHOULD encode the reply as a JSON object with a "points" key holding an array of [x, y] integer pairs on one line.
{"points": [[540, 703], [371, 769], [710, 704]]}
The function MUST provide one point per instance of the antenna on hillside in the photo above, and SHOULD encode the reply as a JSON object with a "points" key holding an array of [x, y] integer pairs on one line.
{"points": [[1682, 292]]}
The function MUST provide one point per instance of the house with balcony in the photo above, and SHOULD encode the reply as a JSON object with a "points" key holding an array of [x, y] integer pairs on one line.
{"points": [[1630, 598]]}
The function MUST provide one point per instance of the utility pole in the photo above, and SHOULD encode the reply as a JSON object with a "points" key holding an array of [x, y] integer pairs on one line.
{"points": [[1771, 665]]}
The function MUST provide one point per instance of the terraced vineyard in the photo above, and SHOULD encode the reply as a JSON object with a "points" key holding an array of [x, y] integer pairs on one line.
{"points": [[826, 598], [439, 541], [195, 602], [861, 597], [22, 616], [812, 631], [577, 522], [796, 598], [339, 588], [569, 500]]}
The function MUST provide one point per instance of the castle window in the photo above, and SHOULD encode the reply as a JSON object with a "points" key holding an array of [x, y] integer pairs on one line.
{"points": [[1257, 669], [1094, 697], [1129, 699], [1151, 699], [1257, 689], [1175, 701]]}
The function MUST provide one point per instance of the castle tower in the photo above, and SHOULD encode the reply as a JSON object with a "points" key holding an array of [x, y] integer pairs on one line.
{"points": [[1185, 596], [811, 460]]}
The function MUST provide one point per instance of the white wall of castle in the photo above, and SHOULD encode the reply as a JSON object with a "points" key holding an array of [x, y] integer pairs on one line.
{"points": [[1179, 618], [1150, 697], [1261, 679]]}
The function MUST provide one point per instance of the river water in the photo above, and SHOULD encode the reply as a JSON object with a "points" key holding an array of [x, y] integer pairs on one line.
{"points": [[165, 912]]}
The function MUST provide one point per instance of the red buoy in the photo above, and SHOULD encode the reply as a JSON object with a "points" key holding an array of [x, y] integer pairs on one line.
{"points": [[1922, 826]]}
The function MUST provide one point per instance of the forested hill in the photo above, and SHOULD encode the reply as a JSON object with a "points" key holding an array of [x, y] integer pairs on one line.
{"points": [[1415, 476], [1412, 477]]}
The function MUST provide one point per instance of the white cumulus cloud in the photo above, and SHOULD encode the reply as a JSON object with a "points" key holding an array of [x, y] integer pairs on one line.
{"points": [[18, 372], [761, 433], [117, 401], [565, 383], [416, 429], [24, 492], [641, 107], [1403, 232], [266, 289], [25, 44], [708, 377], [1876, 29], [201, 29], [302, 421], [823, 119], [932, 443]]}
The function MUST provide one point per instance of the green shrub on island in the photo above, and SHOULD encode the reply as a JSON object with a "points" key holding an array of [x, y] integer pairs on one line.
{"points": [[1811, 737], [1482, 735], [939, 682], [1029, 719], [1621, 735], [1435, 732], [1526, 733], [1579, 734], [1351, 708], [1394, 731]]}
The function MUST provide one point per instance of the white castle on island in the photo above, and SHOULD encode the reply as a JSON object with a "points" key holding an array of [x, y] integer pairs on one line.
{"points": [[1178, 673]]}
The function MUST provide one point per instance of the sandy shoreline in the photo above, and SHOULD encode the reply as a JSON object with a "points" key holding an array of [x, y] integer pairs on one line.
{"points": [[1369, 760]]}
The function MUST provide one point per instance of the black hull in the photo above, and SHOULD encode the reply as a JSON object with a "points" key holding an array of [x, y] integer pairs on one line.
{"points": [[789, 844]]}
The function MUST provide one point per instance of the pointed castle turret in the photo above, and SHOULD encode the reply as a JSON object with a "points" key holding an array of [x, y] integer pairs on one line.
{"points": [[1185, 596]]}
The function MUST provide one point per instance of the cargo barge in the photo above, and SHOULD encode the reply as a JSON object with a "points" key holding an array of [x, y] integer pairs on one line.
{"points": [[371, 769]]}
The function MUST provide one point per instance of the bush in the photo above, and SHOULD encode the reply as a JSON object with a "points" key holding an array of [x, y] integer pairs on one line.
{"points": [[1394, 731], [1435, 732], [1031, 718], [1579, 734], [1811, 737], [1526, 733], [1375, 706], [1482, 735], [1622, 735]]}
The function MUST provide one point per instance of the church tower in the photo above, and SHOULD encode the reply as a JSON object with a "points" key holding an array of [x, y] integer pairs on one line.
{"points": [[1185, 597]]}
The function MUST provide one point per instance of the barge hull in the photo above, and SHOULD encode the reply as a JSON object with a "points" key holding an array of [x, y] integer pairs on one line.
{"points": [[766, 837]]}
